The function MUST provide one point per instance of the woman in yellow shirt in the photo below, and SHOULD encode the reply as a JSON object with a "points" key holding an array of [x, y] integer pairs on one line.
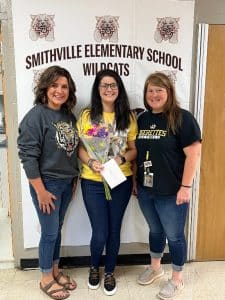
{"points": [[110, 109]]}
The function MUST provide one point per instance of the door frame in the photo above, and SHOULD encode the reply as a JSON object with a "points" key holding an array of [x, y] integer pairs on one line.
{"points": [[198, 113]]}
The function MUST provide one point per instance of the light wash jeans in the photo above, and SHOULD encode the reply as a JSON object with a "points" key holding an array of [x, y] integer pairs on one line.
{"points": [[165, 219]]}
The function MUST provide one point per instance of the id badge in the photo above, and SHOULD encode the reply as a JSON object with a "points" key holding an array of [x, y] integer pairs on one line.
{"points": [[148, 179], [148, 176], [147, 164]]}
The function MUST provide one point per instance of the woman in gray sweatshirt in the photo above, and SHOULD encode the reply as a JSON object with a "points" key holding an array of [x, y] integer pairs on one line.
{"points": [[47, 145]]}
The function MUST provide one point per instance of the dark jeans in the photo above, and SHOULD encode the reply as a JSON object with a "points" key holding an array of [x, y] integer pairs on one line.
{"points": [[106, 219], [51, 225], [166, 219]]}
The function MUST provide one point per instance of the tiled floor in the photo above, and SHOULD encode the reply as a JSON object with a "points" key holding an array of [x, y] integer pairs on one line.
{"points": [[203, 281]]}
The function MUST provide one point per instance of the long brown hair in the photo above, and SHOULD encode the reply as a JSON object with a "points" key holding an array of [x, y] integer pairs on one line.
{"points": [[171, 110], [49, 76]]}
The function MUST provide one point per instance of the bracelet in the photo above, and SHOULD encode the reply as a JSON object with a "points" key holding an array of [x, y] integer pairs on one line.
{"points": [[90, 162], [186, 186]]}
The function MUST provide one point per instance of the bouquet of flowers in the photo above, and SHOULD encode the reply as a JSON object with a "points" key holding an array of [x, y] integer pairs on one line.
{"points": [[96, 140]]}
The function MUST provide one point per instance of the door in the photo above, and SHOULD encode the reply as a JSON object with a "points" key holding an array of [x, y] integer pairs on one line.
{"points": [[4, 185], [211, 211]]}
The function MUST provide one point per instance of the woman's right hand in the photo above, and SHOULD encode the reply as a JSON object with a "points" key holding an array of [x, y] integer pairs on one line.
{"points": [[96, 166], [45, 198], [46, 201]]}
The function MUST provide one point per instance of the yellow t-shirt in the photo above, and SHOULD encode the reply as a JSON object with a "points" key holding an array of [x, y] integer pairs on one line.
{"points": [[118, 141]]}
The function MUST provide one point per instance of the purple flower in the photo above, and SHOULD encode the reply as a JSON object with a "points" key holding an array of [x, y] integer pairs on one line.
{"points": [[102, 132]]}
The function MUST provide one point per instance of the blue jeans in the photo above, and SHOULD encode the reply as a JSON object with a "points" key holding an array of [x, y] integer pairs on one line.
{"points": [[106, 219], [51, 224], [165, 219]]}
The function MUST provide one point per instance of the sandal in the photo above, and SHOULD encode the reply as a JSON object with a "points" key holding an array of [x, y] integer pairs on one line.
{"points": [[70, 284], [51, 293]]}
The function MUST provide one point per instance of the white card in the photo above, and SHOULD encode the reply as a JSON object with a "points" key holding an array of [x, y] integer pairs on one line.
{"points": [[112, 173]]}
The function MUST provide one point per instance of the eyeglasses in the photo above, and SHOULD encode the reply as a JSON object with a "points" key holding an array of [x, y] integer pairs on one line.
{"points": [[112, 86]]}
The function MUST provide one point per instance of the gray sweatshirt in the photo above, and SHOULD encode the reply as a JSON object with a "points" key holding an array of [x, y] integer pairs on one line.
{"points": [[47, 143]]}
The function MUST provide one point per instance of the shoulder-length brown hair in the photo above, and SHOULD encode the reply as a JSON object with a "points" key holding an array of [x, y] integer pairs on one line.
{"points": [[171, 109], [48, 77]]}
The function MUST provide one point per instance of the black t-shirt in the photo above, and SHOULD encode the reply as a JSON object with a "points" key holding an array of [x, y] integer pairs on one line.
{"points": [[165, 150]]}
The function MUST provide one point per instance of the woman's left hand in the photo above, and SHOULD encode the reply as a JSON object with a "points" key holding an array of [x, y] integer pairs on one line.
{"points": [[183, 195], [74, 188], [134, 188], [118, 160]]}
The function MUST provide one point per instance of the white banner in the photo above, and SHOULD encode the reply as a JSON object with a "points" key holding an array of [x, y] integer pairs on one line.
{"points": [[134, 38]]}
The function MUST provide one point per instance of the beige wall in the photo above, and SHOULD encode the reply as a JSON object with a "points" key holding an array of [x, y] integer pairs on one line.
{"points": [[9, 87], [210, 12]]}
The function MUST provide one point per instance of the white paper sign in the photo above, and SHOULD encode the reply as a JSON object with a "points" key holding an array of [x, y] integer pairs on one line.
{"points": [[112, 173]]}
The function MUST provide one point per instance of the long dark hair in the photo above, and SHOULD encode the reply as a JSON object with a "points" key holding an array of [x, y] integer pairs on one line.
{"points": [[49, 76], [171, 109], [122, 106]]}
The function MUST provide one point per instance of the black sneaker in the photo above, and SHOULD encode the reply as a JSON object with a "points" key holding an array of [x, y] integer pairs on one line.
{"points": [[109, 284], [94, 278]]}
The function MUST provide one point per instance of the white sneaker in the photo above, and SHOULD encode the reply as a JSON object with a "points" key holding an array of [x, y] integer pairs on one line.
{"points": [[149, 275], [170, 290]]}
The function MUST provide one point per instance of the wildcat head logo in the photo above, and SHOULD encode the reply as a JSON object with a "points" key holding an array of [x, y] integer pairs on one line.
{"points": [[66, 137], [36, 78], [171, 74], [167, 29], [106, 29], [42, 27]]}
